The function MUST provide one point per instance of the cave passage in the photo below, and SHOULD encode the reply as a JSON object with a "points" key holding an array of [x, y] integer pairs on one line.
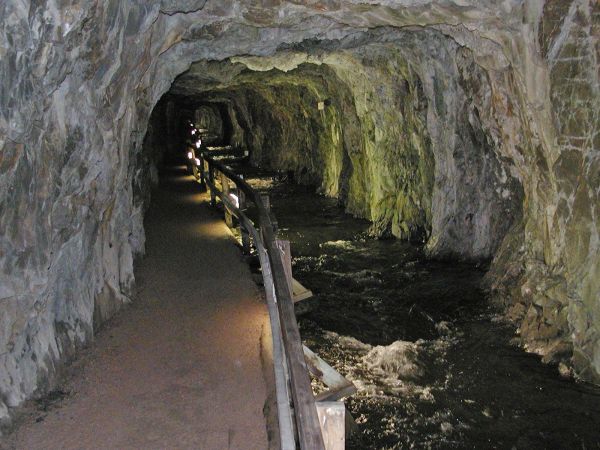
{"points": [[435, 165], [419, 335]]}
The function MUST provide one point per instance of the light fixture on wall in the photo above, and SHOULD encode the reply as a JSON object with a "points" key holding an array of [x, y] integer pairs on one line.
{"points": [[236, 200], [322, 104]]}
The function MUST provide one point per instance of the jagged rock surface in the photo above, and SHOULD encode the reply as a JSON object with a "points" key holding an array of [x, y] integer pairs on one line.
{"points": [[492, 108]]}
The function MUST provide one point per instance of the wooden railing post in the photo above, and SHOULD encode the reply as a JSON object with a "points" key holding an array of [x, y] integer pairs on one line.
{"points": [[225, 190], [243, 231], [266, 199], [211, 177], [201, 168], [286, 259]]}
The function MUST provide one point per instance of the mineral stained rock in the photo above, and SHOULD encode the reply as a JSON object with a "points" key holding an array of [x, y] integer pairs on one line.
{"points": [[470, 125]]}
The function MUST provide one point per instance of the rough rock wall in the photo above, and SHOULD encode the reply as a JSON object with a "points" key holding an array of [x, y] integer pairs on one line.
{"points": [[209, 117], [78, 82], [74, 106], [388, 122], [423, 163], [433, 170], [157, 143], [554, 284]]}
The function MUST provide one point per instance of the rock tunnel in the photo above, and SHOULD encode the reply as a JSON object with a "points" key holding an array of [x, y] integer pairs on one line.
{"points": [[470, 128]]}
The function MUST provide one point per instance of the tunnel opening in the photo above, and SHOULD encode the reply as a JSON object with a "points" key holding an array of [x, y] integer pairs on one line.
{"points": [[389, 142]]}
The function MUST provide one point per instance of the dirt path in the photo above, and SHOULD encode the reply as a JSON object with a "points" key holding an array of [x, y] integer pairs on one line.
{"points": [[180, 368]]}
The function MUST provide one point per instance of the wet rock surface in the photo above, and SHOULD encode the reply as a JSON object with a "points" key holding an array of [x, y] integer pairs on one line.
{"points": [[471, 125]]}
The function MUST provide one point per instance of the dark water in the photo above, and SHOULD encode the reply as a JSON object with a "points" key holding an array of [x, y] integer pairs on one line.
{"points": [[428, 353]]}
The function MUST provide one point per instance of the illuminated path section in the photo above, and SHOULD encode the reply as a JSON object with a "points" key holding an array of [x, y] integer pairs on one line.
{"points": [[188, 365]]}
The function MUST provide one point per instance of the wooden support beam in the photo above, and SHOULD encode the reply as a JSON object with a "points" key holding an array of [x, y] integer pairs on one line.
{"points": [[333, 395], [266, 200], [298, 291], [224, 152], [201, 170]]}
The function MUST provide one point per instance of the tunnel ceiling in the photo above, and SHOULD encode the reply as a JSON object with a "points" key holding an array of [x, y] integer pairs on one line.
{"points": [[471, 125]]}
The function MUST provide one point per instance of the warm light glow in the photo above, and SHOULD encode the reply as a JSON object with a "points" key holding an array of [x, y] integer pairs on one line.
{"points": [[198, 143], [193, 131], [197, 161], [190, 155], [236, 200]]}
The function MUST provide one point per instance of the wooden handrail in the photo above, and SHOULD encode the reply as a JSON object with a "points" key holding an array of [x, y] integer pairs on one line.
{"points": [[284, 413], [283, 321]]}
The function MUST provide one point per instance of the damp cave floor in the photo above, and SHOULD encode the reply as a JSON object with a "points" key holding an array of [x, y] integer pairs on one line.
{"points": [[187, 364]]}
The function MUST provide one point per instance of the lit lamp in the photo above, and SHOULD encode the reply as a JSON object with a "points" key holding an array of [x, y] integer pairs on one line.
{"points": [[236, 200], [198, 143], [190, 155]]}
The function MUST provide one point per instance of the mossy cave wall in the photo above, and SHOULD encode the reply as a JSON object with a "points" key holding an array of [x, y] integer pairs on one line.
{"points": [[470, 126]]}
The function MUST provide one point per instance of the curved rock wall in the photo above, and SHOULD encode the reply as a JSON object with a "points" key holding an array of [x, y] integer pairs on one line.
{"points": [[514, 85], [385, 122]]}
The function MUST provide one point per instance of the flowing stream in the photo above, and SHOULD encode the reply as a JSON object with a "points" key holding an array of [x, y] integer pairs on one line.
{"points": [[428, 352]]}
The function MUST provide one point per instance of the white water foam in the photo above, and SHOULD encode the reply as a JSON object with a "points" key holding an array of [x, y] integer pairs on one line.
{"points": [[399, 360]]}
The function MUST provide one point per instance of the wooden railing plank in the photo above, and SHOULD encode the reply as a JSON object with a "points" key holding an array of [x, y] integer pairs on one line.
{"points": [[307, 420]]}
